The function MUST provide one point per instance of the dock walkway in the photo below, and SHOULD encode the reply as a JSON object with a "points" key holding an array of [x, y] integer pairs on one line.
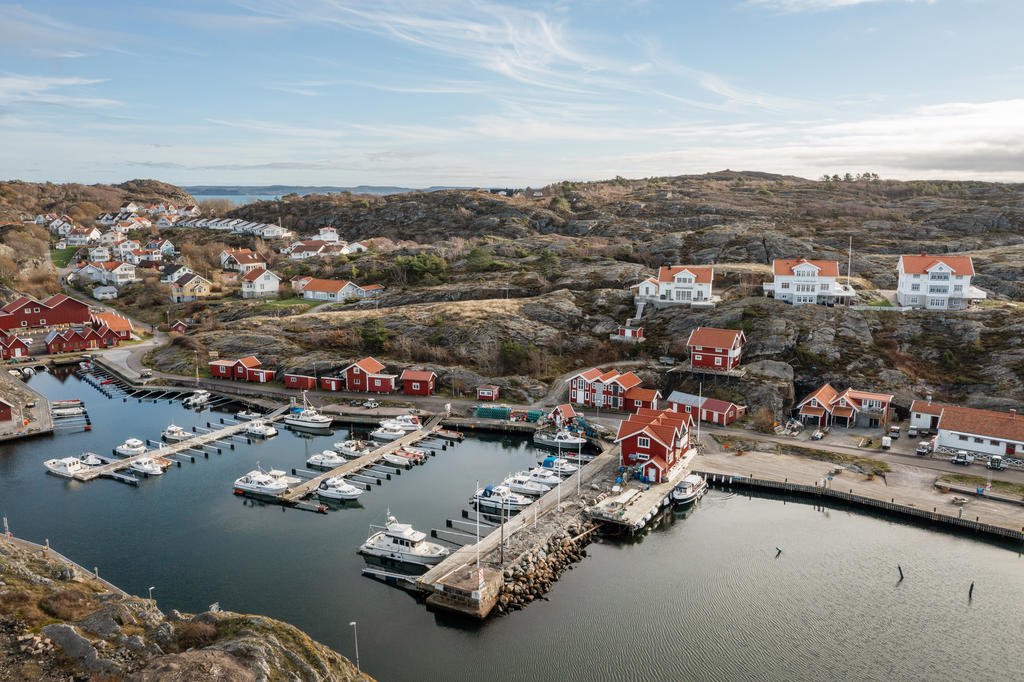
{"points": [[173, 448], [301, 491], [642, 507]]}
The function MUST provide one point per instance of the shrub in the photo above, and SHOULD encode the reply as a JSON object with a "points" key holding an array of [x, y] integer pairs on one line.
{"points": [[67, 604], [192, 635]]}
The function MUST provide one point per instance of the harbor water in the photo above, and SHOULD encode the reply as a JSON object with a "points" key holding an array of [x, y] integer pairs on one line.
{"points": [[702, 596]]}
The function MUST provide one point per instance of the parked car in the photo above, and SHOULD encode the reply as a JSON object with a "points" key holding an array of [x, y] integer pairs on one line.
{"points": [[962, 457], [146, 373], [355, 403], [924, 448], [912, 432], [666, 360], [894, 432], [886, 442], [996, 462], [372, 404], [818, 434]]}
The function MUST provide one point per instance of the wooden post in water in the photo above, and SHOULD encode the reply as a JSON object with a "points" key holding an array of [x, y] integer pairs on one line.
{"points": [[900, 569]]}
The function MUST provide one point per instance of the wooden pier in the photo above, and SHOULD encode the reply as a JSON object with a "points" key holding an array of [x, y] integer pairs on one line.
{"points": [[355, 465], [196, 441], [643, 505]]}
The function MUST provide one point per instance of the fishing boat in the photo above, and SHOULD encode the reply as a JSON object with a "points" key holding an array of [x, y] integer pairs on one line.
{"points": [[500, 497], [401, 542], [175, 434], [689, 490], [197, 399], [328, 459], [543, 476], [337, 488], [131, 447], [246, 415], [521, 483], [260, 429], [560, 440], [384, 432], [147, 466], [308, 417], [356, 448], [259, 482], [559, 465], [65, 467]]}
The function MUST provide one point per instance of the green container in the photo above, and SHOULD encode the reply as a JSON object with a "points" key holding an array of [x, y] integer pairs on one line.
{"points": [[533, 416], [493, 412]]}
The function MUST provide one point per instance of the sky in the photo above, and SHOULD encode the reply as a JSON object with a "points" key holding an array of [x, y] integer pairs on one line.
{"points": [[420, 93]]}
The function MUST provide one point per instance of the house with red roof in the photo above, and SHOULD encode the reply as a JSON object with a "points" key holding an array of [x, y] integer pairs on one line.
{"points": [[802, 281], [366, 375], [299, 381], [79, 339], [487, 392], [260, 283], [678, 285], [596, 388], [706, 409], [653, 441], [334, 289], [712, 348], [234, 369], [12, 347], [418, 382], [28, 313], [638, 398], [119, 324], [826, 406], [179, 327], [982, 432], [936, 282]]}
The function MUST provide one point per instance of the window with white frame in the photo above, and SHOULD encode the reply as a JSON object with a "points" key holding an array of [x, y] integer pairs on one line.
{"points": [[643, 442]]}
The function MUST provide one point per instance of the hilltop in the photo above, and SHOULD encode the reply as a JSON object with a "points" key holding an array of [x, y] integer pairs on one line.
{"points": [[24, 200]]}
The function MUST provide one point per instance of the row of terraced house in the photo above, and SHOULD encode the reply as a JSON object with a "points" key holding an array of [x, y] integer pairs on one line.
{"points": [[365, 376]]}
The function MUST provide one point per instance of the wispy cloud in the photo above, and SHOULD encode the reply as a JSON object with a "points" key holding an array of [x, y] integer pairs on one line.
{"points": [[40, 90], [39, 34], [817, 5]]}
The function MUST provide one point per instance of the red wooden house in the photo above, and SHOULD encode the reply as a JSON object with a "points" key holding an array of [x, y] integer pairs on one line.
{"points": [[57, 310], [638, 398], [418, 382], [234, 369], [119, 324], [562, 414], [300, 381], [601, 389], [653, 441], [332, 383], [628, 334], [5, 411], [67, 341], [103, 337], [179, 327], [711, 410], [487, 392], [365, 376], [826, 407], [260, 376], [12, 347], [712, 348]]}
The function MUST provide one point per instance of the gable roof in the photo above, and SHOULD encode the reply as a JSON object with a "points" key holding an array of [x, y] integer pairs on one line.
{"points": [[645, 394], [116, 322], [716, 405], [661, 425], [330, 286], [417, 375], [920, 265], [988, 423], [249, 362], [247, 258], [826, 268], [713, 337], [690, 399], [825, 395], [701, 275], [927, 407], [256, 273], [367, 365]]}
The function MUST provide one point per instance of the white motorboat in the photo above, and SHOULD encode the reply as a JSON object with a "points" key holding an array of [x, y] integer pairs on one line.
{"points": [[131, 447], [260, 429], [328, 459], [308, 417], [246, 415], [67, 411], [90, 460], [175, 434], [559, 465], [689, 490], [65, 467], [500, 497], [521, 483], [396, 459], [388, 433], [337, 488], [147, 466], [197, 399], [543, 476], [356, 448], [401, 542], [261, 482], [28, 371], [560, 440], [406, 422]]}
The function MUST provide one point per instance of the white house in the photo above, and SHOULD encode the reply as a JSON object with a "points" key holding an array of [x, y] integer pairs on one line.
{"points": [[167, 220], [331, 290], [99, 254], [110, 237], [678, 285], [936, 282], [805, 281], [130, 207], [306, 249], [191, 210], [983, 432], [172, 273], [244, 261], [356, 247], [260, 283], [118, 274], [123, 248], [328, 234], [83, 236], [104, 292]]}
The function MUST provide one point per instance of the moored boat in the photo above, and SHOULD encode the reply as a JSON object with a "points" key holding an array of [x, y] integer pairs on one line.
{"points": [[197, 399], [246, 415], [328, 459], [387, 433], [406, 422], [559, 440], [260, 429], [259, 482], [689, 490], [65, 467], [356, 448], [131, 447], [396, 459], [337, 488], [500, 497], [90, 460], [308, 417], [147, 466], [175, 434], [401, 542], [559, 465], [543, 476], [521, 483]]}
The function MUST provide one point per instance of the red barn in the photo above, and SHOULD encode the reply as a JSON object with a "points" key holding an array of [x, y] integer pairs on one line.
{"points": [[299, 381], [418, 382], [365, 376], [234, 369], [487, 392], [601, 389], [637, 398], [260, 376], [12, 347], [712, 348], [103, 337], [57, 310], [5, 411], [719, 412], [332, 383], [64, 342], [653, 441], [120, 324]]}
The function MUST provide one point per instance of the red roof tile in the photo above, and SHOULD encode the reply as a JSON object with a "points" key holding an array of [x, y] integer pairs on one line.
{"points": [[920, 265], [827, 268]]}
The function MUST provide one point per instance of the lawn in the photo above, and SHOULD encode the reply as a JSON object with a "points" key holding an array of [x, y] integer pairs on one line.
{"points": [[61, 257], [1005, 487], [287, 303]]}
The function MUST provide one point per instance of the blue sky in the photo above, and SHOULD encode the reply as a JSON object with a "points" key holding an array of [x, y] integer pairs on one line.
{"points": [[430, 92]]}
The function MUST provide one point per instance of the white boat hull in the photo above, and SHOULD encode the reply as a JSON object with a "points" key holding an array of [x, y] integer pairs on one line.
{"points": [[316, 425], [388, 436]]}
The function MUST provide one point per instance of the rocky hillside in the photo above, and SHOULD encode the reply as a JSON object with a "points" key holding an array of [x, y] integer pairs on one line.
{"points": [[56, 624], [24, 200]]}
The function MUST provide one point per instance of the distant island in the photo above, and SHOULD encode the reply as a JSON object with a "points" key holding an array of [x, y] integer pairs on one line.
{"points": [[282, 190]]}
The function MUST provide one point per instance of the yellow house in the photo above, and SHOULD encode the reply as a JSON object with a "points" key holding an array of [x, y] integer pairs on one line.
{"points": [[189, 287]]}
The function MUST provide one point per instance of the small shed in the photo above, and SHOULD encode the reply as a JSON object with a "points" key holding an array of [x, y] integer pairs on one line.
{"points": [[260, 376], [487, 392], [418, 382], [332, 383], [299, 381], [179, 327]]}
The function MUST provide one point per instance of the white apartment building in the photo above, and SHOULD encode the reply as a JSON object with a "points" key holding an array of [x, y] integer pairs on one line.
{"points": [[678, 285], [936, 282], [803, 281]]}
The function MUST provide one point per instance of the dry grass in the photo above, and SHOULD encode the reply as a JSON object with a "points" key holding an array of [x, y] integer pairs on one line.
{"points": [[70, 604]]}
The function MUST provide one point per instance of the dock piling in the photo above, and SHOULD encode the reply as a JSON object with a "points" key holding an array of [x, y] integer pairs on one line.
{"points": [[900, 569]]}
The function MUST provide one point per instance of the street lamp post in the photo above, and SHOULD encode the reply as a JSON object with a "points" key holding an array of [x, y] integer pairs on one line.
{"points": [[355, 635], [151, 588]]}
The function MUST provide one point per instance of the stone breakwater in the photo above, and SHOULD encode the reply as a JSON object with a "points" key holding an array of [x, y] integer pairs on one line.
{"points": [[536, 571]]}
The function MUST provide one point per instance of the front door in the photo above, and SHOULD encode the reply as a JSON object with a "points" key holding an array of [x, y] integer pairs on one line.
{"points": [[935, 421], [1011, 449]]}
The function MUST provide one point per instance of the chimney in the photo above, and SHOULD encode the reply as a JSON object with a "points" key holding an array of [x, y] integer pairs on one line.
{"points": [[929, 400], [1013, 414], [923, 254]]}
